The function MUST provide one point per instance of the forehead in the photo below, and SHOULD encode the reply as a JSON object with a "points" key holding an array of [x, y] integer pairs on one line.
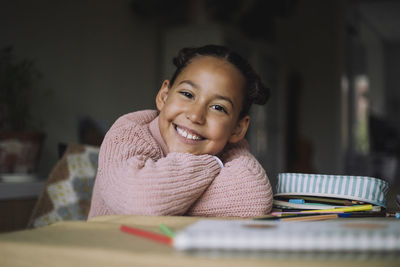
{"points": [[212, 63], [213, 71]]}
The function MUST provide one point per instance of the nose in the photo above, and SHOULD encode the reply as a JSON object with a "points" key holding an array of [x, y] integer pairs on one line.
{"points": [[196, 114]]}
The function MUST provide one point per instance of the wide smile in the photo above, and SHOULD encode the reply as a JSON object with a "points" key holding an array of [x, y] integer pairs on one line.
{"points": [[188, 134]]}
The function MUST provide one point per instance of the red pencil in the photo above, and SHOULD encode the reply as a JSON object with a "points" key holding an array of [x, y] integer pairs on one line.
{"points": [[146, 234]]}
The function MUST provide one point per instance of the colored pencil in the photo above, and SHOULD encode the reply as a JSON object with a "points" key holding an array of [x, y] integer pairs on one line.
{"points": [[346, 209], [290, 215], [310, 218], [345, 202], [147, 234], [363, 214], [166, 230]]}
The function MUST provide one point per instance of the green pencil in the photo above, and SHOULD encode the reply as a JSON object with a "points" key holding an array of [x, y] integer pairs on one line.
{"points": [[166, 230]]}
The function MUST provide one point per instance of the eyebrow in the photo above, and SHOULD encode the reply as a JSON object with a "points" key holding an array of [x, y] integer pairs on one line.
{"points": [[217, 96]]}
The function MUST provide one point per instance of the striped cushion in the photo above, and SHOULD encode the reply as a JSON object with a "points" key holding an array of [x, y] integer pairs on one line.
{"points": [[361, 188]]}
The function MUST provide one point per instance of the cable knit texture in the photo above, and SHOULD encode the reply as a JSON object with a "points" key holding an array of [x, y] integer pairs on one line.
{"points": [[137, 175]]}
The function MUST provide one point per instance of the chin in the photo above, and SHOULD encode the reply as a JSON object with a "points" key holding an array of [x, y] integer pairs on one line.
{"points": [[182, 150]]}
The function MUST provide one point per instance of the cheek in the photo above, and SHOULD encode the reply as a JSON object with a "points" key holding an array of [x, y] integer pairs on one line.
{"points": [[169, 111], [220, 129]]}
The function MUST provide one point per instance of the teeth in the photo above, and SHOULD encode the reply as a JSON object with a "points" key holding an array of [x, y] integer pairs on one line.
{"points": [[186, 134]]}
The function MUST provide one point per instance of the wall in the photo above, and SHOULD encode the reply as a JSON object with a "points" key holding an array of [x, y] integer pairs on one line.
{"points": [[392, 97], [375, 67], [96, 57], [311, 42]]}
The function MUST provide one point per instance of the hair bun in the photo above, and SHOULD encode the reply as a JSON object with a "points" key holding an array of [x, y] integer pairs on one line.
{"points": [[263, 93], [258, 92]]}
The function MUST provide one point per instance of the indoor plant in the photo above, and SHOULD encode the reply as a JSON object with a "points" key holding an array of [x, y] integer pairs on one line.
{"points": [[20, 138]]}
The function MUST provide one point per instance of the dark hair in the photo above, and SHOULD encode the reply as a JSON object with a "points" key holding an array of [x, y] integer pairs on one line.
{"points": [[254, 92]]}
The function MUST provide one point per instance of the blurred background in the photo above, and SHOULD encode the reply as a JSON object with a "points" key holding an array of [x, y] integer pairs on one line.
{"points": [[333, 67]]}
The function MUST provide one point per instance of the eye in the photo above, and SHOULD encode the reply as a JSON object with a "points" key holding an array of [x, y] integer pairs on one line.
{"points": [[219, 108], [186, 94]]}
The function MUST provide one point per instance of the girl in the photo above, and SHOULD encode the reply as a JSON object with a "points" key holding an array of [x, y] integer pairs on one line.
{"points": [[190, 157]]}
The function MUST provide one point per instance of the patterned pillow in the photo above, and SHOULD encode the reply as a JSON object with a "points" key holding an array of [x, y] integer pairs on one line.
{"points": [[68, 189]]}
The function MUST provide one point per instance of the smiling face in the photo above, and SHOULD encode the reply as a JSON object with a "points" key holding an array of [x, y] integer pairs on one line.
{"points": [[199, 113]]}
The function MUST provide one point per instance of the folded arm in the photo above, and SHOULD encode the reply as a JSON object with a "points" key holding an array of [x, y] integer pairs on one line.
{"points": [[241, 189], [133, 180]]}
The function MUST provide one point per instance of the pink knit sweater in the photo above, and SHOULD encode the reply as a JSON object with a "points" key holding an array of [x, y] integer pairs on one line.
{"points": [[137, 175]]}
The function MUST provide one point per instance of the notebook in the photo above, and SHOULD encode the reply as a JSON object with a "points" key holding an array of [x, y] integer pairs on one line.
{"points": [[305, 206], [356, 235], [285, 205]]}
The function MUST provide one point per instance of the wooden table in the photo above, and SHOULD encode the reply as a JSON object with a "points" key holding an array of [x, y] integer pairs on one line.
{"points": [[99, 242]]}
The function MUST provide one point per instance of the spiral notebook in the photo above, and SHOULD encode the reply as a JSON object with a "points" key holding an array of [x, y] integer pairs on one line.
{"points": [[356, 235]]}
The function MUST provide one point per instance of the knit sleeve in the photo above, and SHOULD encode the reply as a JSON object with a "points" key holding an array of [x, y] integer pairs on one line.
{"points": [[134, 179], [241, 189]]}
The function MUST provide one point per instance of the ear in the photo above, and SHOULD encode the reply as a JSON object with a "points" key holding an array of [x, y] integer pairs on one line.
{"points": [[162, 95], [240, 130]]}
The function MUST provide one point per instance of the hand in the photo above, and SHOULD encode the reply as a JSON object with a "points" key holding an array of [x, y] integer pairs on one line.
{"points": [[233, 151]]}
